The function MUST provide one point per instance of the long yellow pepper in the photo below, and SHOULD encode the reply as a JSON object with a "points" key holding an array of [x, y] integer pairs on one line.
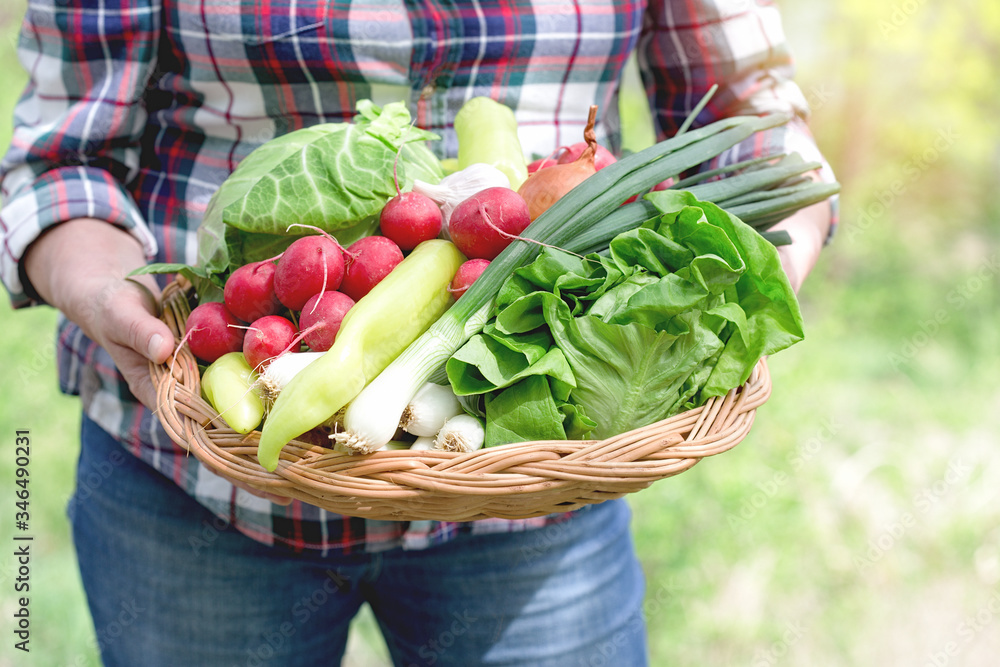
{"points": [[375, 331]]}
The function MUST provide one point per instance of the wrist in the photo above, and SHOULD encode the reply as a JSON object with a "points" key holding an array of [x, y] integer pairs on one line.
{"points": [[75, 251]]}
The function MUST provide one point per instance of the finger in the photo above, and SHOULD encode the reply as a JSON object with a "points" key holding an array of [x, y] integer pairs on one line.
{"points": [[134, 367], [135, 327]]}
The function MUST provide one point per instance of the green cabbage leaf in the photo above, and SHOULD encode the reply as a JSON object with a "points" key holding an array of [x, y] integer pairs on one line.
{"points": [[333, 176]]}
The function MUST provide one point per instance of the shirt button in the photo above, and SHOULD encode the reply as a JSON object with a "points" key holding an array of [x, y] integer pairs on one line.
{"points": [[428, 91]]}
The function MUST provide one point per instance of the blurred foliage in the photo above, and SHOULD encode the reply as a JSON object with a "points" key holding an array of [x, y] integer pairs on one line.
{"points": [[857, 524]]}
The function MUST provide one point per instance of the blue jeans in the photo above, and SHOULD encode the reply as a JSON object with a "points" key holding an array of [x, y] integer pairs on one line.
{"points": [[168, 583]]}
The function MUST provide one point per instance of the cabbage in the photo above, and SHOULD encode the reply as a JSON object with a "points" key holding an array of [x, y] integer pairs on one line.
{"points": [[334, 176]]}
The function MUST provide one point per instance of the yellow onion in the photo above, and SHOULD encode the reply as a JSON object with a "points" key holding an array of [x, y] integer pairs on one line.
{"points": [[546, 186]]}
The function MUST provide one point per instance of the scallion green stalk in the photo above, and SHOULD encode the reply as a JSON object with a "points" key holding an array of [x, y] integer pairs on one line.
{"points": [[367, 423]]}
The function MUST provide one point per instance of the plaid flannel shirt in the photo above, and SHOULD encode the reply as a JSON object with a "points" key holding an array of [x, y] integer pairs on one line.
{"points": [[137, 110]]}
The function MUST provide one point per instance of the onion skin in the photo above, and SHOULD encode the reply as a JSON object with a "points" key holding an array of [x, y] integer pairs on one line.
{"points": [[547, 185]]}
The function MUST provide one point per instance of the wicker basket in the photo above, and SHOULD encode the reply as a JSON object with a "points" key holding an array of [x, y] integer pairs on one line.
{"points": [[513, 481]]}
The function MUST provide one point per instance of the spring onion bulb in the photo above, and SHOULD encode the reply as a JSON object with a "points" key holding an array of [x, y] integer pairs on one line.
{"points": [[373, 416], [339, 449], [280, 372], [423, 443], [393, 445], [462, 433], [433, 405]]}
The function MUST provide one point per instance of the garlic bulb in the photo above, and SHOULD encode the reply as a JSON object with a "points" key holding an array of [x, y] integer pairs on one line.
{"points": [[455, 188]]}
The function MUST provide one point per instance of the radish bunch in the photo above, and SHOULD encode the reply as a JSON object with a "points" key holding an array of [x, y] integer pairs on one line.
{"points": [[298, 300]]}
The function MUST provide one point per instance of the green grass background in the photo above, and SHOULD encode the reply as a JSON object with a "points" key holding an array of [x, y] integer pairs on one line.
{"points": [[858, 522]]}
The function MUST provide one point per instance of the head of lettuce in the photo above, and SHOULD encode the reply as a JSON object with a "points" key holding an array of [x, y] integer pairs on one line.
{"points": [[673, 313]]}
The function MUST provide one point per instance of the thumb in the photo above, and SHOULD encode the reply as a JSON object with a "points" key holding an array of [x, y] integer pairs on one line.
{"points": [[159, 345], [143, 332]]}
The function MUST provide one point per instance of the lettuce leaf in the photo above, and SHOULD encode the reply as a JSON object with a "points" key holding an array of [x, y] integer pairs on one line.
{"points": [[523, 378], [677, 311]]}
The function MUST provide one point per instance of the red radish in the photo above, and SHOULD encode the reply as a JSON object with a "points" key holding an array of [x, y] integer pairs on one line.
{"points": [[321, 318], [546, 186], [266, 338], [486, 223], [542, 163], [213, 331], [466, 275], [602, 156], [369, 260], [249, 292], [308, 266], [410, 218]]}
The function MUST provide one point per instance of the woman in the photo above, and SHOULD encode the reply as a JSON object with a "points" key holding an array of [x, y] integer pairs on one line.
{"points": [[134, 114]]}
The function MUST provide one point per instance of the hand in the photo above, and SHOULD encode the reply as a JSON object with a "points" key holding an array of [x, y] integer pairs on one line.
{"points": [[80, 267]]}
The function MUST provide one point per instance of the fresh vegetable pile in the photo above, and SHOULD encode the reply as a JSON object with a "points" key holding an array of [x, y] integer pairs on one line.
{"points": [[350, 292]]}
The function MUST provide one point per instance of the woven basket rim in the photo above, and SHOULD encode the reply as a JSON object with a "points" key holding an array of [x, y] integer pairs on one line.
{"points": [[518, 480]]}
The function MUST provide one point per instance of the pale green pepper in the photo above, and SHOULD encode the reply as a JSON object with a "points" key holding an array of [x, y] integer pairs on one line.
{"points": [[375, 331], [487, 132], [229, 385]]}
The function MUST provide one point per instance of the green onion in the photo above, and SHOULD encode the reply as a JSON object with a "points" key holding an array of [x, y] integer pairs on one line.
{"points": [[780, 237], [775, 210]]}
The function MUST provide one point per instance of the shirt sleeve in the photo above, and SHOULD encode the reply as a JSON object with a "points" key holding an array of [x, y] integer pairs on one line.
{"points": [[77, 125], [687, 47]]}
